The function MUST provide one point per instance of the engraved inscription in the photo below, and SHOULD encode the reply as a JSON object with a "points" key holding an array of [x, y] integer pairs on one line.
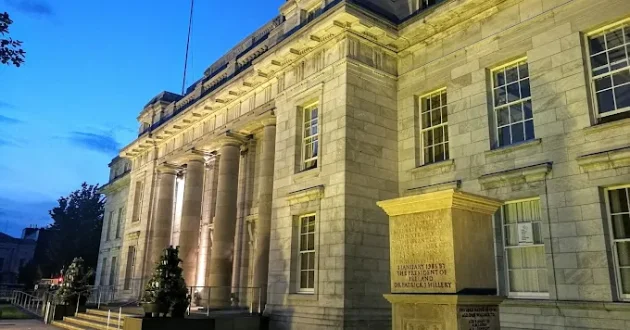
{"points": [[478, 317], [416, 324], [422, 253]]}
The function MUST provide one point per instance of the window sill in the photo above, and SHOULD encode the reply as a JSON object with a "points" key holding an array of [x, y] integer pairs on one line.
{"points": [[590, 305], [306, 174], [513, 147], [441, 167], [606, 126]]}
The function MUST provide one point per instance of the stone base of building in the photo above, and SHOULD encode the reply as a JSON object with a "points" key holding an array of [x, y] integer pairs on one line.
{"points": [[329, 318], [444, 312], [545, 314]]}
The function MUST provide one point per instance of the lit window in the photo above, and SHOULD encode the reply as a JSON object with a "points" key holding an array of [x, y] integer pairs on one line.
{"points": [[526, 266], [310, 137], [307, 253], [610, 71], [619, 215], [513, 104], [434, 127]]}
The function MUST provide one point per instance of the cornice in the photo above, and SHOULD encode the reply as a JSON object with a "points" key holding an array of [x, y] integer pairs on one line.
{"points": [[604, 160], [440, 200], [305, 195], [527, 174], [116, 185]]}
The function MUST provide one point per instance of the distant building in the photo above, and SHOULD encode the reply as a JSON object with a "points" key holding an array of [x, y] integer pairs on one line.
{"points": [[15, 253]]}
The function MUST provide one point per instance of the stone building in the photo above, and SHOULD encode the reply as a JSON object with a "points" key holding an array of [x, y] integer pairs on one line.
{"points": [[266, 173]]}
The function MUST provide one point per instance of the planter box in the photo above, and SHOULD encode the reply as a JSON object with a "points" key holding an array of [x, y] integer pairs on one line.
{"points": [[220, 323]]}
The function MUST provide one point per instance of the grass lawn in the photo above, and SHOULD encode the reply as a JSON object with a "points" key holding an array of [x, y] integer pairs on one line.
{"points": [[10, 312]]}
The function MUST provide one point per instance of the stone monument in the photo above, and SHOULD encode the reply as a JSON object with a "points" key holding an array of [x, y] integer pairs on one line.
{"points": [[442, 261]]}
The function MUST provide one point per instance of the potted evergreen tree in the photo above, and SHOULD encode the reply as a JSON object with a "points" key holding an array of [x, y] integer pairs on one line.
{"points": [[73, 290], [166, 290]]}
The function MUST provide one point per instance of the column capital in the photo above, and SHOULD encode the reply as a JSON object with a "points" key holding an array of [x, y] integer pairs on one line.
{"points": [[269, 121], [195, 155], [166, 168]]}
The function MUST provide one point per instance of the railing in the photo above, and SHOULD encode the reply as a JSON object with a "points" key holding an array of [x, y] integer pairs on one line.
{"points": [[37, 304], [206, 298]]}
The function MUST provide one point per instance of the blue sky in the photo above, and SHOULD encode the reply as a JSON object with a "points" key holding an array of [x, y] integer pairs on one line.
{"points": [[90, 68]]}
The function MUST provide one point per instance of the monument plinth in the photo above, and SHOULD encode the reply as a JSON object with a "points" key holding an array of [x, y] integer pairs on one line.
{"points": [[442, 261]]}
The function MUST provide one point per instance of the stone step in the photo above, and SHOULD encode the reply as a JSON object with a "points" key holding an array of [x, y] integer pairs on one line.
{"points": [[101, 318], [88, 324], [113, 312], [68, 326]]}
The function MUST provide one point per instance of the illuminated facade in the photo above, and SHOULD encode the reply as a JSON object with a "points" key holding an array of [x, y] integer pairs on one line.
{"points": [[267, 172]]}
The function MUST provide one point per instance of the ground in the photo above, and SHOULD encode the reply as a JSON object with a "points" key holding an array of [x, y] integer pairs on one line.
{"points": [[9, 312]]}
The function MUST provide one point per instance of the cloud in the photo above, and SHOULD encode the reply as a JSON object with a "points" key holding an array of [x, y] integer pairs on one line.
{"points": [[100, 142], [33, 7], [6, 105], [15, 214], [7, 143], [9, 120]]}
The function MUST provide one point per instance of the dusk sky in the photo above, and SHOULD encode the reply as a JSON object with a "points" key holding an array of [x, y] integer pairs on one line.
{"points": [[90, 68]]}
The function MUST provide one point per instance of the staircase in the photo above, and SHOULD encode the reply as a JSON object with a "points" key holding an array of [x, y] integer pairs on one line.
{"points": [[93, 319]]}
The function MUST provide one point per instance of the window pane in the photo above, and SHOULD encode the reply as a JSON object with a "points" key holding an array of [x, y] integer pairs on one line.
{"points": [[435, 101], [438, 135], [511, 74], [614, 39], [523, 71], [444, 101], [436, 117], [311, 261], [311, 279], [426, 104], [622, 96], [439, 152], [529, 130], [446, 151], [504, 136], [625, 280], [617, 58], [516, 113], [623, 253], [603, 83], [499, 79], [311, 242], [304, 280], [525, 90], [518, 133], [621, 225], [444, 114], [513, 92], [503, 116], [597, 44], [428, 155], [599, 63], [304, 261], [303, 243], [500, 97], [618, 200], [605, 101], [428, 138], [426, 119], [527, 106], [621, 78]]}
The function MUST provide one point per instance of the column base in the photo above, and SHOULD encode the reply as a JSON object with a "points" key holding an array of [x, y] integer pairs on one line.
{"points": [[444, 312]]}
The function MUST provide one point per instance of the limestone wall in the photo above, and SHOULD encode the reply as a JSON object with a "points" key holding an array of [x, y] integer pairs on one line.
{"points": [[551, 35]]}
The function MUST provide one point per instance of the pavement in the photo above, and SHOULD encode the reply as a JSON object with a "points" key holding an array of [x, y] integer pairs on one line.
{"points": [[24, 325]]}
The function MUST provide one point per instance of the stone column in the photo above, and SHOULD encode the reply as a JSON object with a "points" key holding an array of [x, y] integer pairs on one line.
{"points": [[163, 218], [221, 255], [263, 224], [191, 217]]}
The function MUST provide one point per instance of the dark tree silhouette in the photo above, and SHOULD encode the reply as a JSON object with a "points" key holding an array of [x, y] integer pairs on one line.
{"points": [[76, 230], [11, 51]]}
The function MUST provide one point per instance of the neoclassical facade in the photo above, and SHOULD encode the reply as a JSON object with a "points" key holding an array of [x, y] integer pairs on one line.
{"points": [[267, 172]]}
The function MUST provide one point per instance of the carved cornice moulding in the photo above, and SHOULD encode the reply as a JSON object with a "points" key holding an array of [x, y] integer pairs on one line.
{"points": [[440, 200], [116, 185], [305, 195], [610, 159], [527, 174]]}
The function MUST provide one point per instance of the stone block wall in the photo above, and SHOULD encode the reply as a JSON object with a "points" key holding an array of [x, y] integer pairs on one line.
{"points": [[551, 35]]}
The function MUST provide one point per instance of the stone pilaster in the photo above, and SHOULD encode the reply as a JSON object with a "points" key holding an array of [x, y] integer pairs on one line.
{"points": [[263, 224], [221, 255], [163, 219], [191, 217]]}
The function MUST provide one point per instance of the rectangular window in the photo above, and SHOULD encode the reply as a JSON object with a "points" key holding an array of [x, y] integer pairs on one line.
{"points": [[526, 266], [619, 215], [110, 223], [137, 202], [112, 271], [434, 127], [306, 254], [103, 271], [609, 52], [131, 263], [119, 222], [310, 137], [512, 104]]}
